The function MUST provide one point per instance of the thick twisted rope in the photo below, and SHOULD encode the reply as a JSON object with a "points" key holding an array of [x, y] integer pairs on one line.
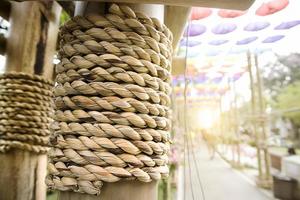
{"points": [[109, 104], [112, 89], [125, 19], [108, 130], [26, 112], [104, 158], [111, 98], [109, 60], [114, 74], [115, 48], [89, 178], [124, 118], [110, 144]]}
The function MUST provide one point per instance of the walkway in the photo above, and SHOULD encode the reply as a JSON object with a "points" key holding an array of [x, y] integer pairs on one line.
{"points": [[219, 181]]}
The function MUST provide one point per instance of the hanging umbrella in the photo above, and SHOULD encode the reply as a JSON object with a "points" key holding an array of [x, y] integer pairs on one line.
{"points": [[271, 7], [246, 40], [200, 13], [256, 26], [230, 13], [272, 39], [217, 42], [189, 43], [194, 30], [287, 25], [224, 28]]}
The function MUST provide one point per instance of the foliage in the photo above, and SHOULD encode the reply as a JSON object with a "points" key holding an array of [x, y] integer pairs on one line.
{"points": [[288, 98], [63, 17], [281, 72]]}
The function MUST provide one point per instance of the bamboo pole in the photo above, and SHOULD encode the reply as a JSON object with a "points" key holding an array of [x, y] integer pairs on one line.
{"points": [[236, 124], [22, 173], [253, 111], [262, 113]]}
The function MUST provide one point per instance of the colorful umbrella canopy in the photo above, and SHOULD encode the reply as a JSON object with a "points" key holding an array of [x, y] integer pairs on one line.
{"points": [[256, 26], [287, 25], [230, 31], [247, 40], [272, 39], [218, 42], [200, 13], [194, 30], [224, 28], [271, 7], [230, 13]]}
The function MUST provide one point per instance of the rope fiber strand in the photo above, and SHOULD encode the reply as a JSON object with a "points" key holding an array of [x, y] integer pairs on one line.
{"points": [[112, 117], [26, 111]]}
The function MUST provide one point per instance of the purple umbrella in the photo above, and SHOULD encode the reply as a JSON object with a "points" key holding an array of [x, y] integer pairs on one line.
{"points": [[217, 42], [287, 25], [246, 40], [194, 30], [272, 39], [189, 43], [256, 26], [224, 28]]}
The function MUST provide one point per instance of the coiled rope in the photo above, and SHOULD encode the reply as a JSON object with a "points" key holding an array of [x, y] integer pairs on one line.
{"points": [[26, 111], [112, 101]]}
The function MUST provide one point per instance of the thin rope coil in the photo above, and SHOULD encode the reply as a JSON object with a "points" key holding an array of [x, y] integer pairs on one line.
{"points": [[112, 98], [26, 112]]}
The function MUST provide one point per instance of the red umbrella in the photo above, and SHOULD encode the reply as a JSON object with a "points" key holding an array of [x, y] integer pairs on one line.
{"points": [[271, 7], [200, 13], [230, 13]]}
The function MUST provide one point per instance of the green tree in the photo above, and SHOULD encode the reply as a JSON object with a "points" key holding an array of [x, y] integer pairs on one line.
{"points": [[280, 72], [288, 100]]}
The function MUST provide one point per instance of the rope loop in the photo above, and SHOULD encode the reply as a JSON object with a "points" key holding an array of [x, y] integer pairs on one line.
{"points": [[112, 101], [26, 112]]}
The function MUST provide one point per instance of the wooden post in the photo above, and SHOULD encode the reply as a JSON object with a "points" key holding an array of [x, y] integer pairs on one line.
{"points": [[253, 112], [262, 113], [5, 9], [2, 44], [30, 49], [176, 23], [236, 124], [122, 190]]}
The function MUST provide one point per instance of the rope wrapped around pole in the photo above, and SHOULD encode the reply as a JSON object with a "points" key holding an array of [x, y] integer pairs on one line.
{"points": [[26, 112], [112, 101]]}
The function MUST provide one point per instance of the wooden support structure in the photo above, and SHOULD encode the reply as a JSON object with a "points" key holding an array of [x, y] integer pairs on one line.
{"points": [[226, 4], [253, 112], [123, 190], [30, 48], [2, 44], [5, 9], [178, 65], [262, 123], [175, 19]]}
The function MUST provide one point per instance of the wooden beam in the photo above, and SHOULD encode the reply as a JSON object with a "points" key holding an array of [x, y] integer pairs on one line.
{"points": [[226, 4], [5, 9], [30, 48], [2, 44], [68, 6], [178, 66], [175, 19], [125, 190], [32, 39]]}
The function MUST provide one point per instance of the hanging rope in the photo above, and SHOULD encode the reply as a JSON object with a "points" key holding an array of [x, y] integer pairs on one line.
{"points": [[112, 101], [26, 112]]}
